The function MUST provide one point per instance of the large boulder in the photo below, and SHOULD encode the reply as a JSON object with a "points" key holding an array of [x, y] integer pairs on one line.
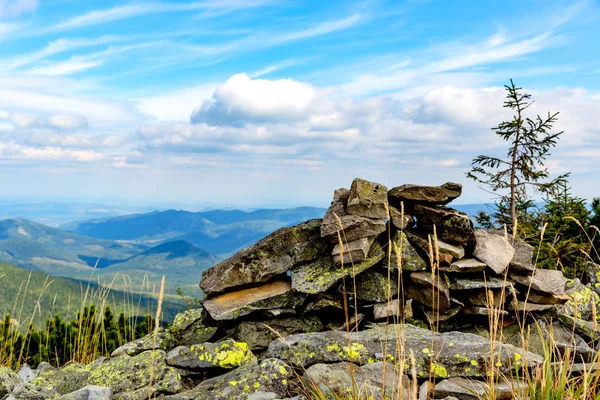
{"points": [[435, 195], [191, 326], [319, 276], [352, 227], [228, 354], [543, 280], [271, 256], [269, 296], [368, 199], [441, 355], [270, 376], [493, 250]]}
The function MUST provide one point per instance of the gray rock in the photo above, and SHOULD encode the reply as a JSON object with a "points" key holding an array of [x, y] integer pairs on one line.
{"points": [[582, 327], [352, 252], [89, 393], [543, 280], [44, 366], [377, 380], [190, 327], [163, 341], [443, 355], [433, 293], [491, 298], [228, 354], [258, 335], [410, 259], [38, 389], [433, 317], [401, 220], [271, 256], [374, 287], [393, 308], [452, 226], [545, 298], [368, 199], [27, 374], [319, 276], [483, 311], [583, 302], [465, 265], [8, 380], [270, 376], [461, 388], [522, 259], [321, 302], [268, 296], [469, 284], [493, 250], [434, 195], [518, 305], [456, 251], [352, 227]]}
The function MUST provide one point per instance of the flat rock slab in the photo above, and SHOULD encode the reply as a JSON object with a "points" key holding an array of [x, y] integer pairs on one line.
{"points": [[401, 220], [543, 280], [518, 305], [270, 376], [378, 380], [455, 251], [452, 226], [319, 276], [368, 199], [483, 311], [352, 227], [271, 256], [228, 354], [470, 284], [272, 295], [432, 292], [258, 335], [89, 393], [410, 258], [163, 341], [545, 298], [522, 261], [352, 252], [435, 195], [465, 266], [441, 355], [469, 389], [493, 250]]}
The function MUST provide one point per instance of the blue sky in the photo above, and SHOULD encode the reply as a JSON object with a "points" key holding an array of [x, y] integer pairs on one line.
{"points": [[257, 102]]}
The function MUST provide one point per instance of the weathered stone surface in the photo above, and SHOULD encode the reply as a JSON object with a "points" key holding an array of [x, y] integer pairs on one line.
{"points": [[582, 327], [453, 353], [228, 354], [483, 311], [469, 284], [191, 326], [455, 251], [461, 388], [367, 199], [393, 308], [465, 266], [351, 381], [543, 280], [400, 220], [271, 376], [258, 335], [432, 292], [26, 373], [518, 305], [321, 302], [493, 250], [435, 195], [273, 255], [434, 317], [545, 298], [267, 296], [353, 226], [410, 259], [89, 393], [352, 252], [583, 302], [8, 380], [37, 389], [62, 381], [322, 274], [374, 287], [522, 261], [164, 341], [452, 226], [488, 298]]}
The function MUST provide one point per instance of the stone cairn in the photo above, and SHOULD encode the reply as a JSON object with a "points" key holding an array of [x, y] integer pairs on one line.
{"points": [[308, 300]]}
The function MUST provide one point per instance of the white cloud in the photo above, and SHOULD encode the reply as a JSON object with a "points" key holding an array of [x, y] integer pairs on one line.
{"points": [[14, 8], [60, 121], [17, 152]]}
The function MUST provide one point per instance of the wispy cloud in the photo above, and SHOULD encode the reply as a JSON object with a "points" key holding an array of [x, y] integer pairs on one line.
{"points": [[14, 8], [292, 62], [319, 29]]}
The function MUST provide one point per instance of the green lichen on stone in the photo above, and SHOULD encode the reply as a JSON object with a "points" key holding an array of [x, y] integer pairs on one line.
{"points": [[438, 371]]}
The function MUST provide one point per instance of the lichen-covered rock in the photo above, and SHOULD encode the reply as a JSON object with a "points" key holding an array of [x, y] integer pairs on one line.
{"points": [[441, 355], [258, 335], [37, 389], [271, 375], [352, 252], [434, 195], [452, 226], [493, 250], [63, 380], [378, 380], [367, 199], [8, 380], [268, 296], [410, 260], [228, 354], [374, 287], [163, 341], [271, 256], [582, 327], [582, 301], [191, 326], [543, 280], [352, 227], [27, 374], [126, 374], [433, 292], [321, 275], [89, 393]]}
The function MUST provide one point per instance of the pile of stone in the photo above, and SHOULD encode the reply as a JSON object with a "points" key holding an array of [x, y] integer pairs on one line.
{"points": [[359, 290]]}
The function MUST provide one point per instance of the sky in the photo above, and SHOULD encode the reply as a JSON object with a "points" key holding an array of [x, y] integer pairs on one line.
{"points": [[258, 102]]}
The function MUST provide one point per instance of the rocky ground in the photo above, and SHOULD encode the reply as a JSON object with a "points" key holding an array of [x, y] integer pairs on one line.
{"points": [[278, 313]]}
